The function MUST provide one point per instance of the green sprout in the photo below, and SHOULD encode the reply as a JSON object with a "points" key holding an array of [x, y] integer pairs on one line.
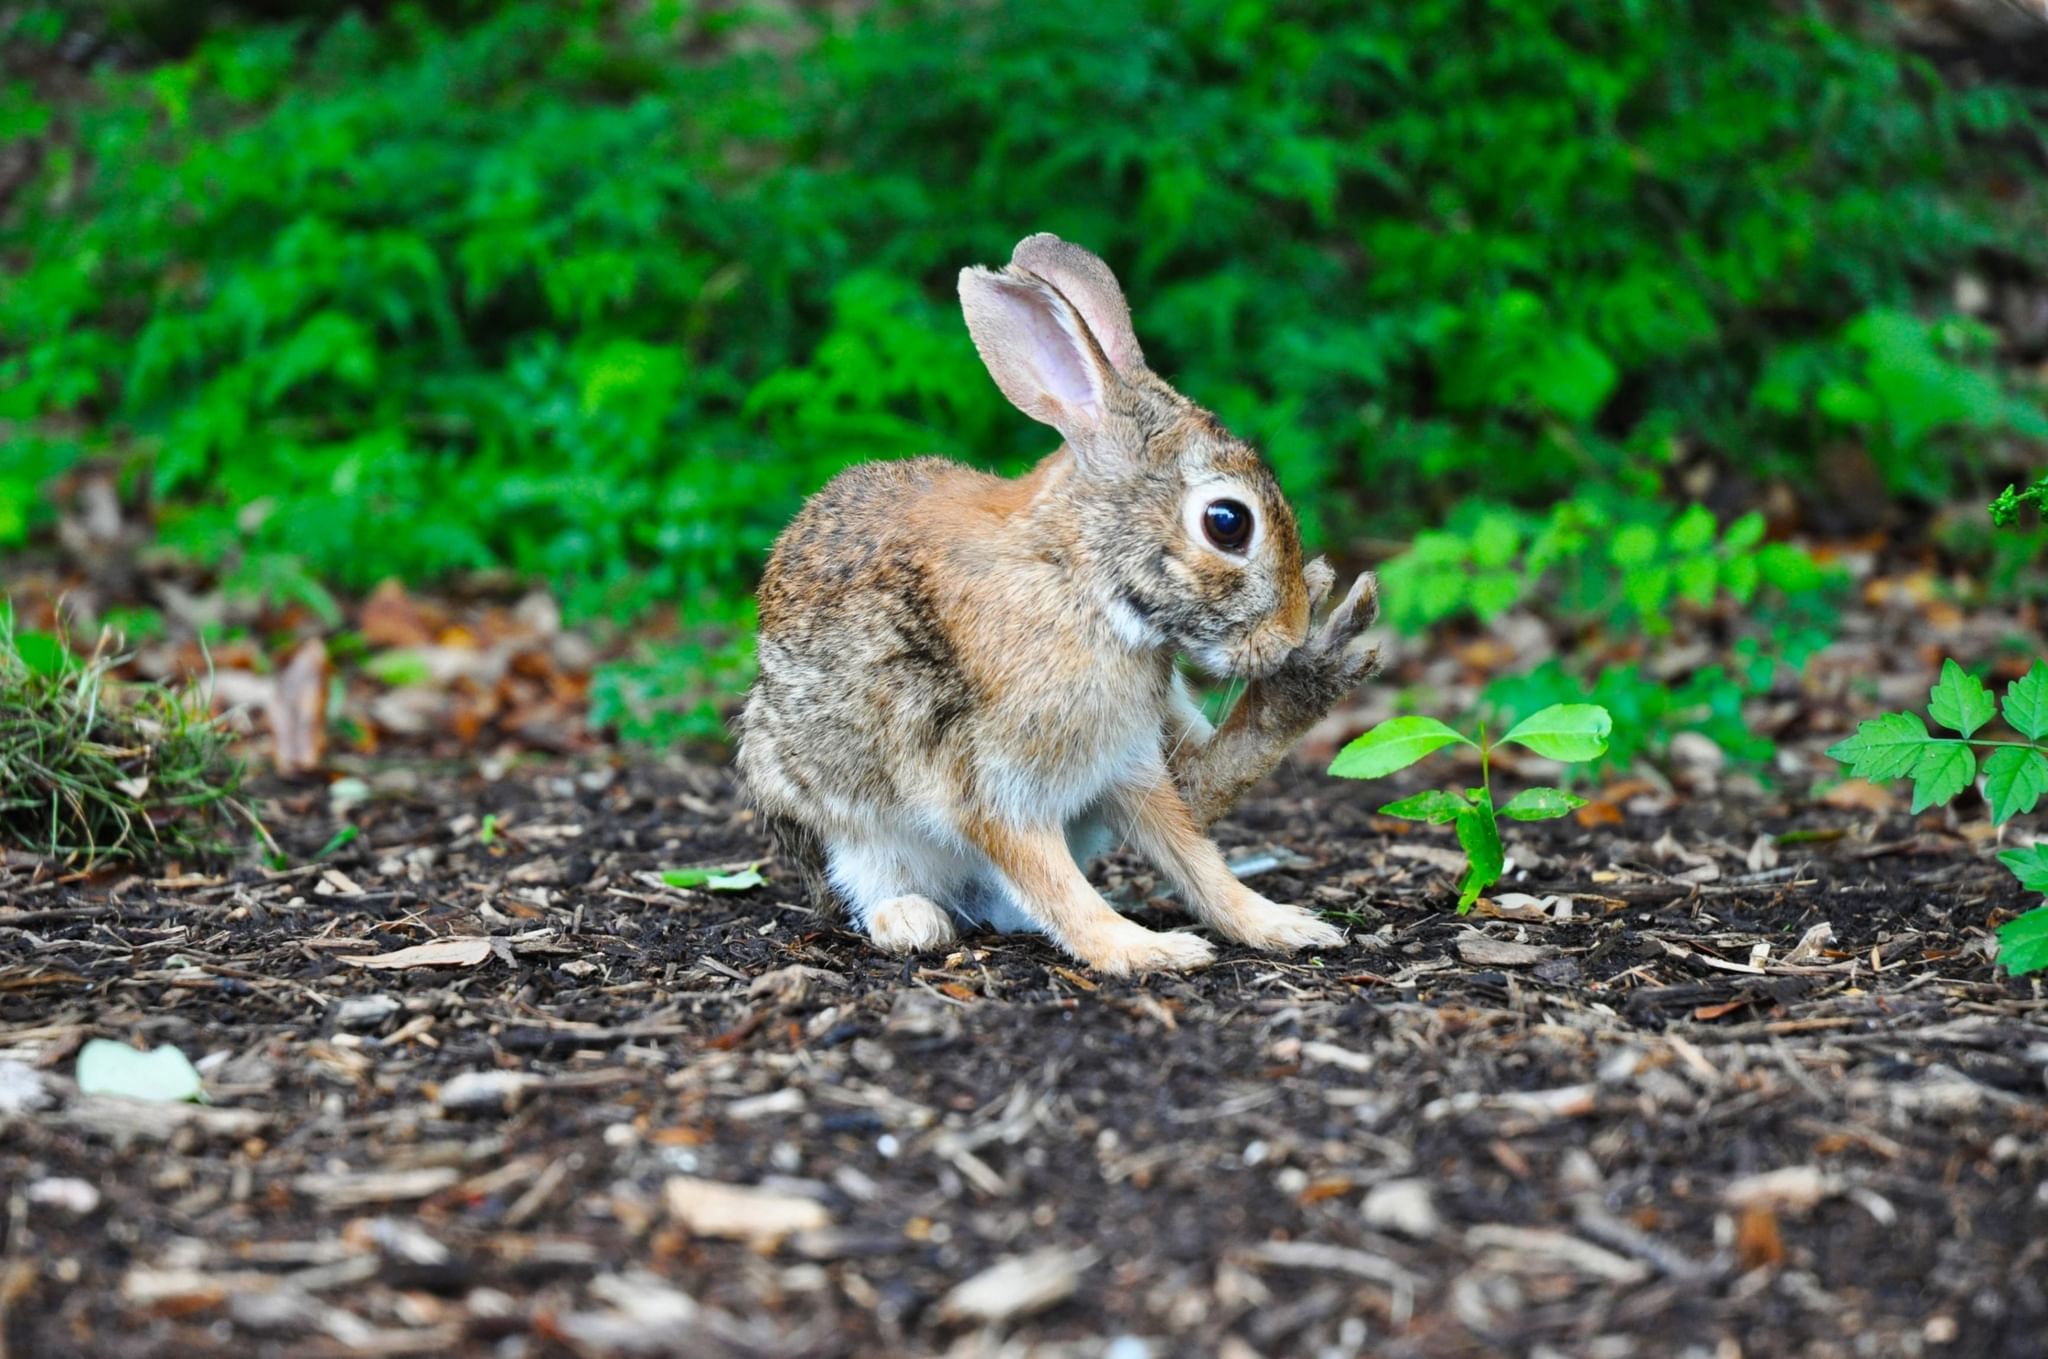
{"points": [[1569, 732]]}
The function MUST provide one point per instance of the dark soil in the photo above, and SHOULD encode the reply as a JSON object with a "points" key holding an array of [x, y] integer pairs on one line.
{"points": [[1622, 1134]]}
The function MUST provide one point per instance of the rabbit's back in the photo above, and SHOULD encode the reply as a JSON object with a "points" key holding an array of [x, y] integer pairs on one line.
{"points": [[919, 650]]}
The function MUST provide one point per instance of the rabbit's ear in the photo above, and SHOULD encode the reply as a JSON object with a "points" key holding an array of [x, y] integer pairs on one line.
{"points": [[1039, 351], [1087, 283]]}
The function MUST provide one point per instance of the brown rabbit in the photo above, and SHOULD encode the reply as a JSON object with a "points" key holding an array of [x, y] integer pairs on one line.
{"points": [[967, 683]]}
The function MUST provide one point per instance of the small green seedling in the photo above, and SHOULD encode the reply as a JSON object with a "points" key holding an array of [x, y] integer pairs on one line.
{"points": [[1571, 732], [1899, 746]]}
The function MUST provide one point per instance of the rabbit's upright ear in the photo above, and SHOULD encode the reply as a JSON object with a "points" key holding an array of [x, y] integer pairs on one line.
{"points": [[1087, 283], [1039, 351]]}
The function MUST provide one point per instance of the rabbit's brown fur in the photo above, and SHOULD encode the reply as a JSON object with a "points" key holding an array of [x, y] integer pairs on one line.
{"points": [[965, 679]]}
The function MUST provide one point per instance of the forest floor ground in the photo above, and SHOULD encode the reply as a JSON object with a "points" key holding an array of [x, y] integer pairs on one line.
{"points": [[1648, 1108]]}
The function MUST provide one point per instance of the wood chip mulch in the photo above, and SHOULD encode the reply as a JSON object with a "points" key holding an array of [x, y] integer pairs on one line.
{"points": [[1701, 1088]]}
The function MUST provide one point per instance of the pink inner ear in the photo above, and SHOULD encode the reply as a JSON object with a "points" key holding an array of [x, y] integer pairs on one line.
{"points": [[1057, 352]]}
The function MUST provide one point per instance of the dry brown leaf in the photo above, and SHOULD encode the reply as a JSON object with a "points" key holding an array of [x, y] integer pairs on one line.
{"points": [[393, 618], [1859, 795], [298, 711], [457, 950], [1758, 1243], [1597, 813]]}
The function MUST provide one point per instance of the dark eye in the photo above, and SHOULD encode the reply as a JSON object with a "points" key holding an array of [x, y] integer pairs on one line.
{"points": [[1228, 524]]}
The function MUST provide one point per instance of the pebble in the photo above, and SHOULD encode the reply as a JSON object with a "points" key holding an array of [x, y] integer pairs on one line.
{"points": [[76, 1197], [485, 1092], [1404, 1206]]}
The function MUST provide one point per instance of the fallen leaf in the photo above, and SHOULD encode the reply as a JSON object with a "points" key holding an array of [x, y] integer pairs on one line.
{"points": [[298, 711], [730, 879], [1758, 1243], [392, 618], [161, 1075], [1597, 813], [456, 950], [1858, 795]]}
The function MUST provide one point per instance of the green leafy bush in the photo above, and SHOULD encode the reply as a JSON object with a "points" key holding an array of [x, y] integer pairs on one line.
{"points": [[1626, 565], [598, 293]]}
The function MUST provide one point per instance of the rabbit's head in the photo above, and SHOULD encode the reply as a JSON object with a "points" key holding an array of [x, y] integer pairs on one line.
{"points": [[1178, 527]]}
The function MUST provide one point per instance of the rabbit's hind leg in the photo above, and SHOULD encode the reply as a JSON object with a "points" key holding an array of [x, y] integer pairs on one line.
{"points": [[889, 888]]}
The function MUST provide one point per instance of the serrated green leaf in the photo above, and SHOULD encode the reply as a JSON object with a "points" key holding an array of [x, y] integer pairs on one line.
{"points": [[1564, 731], [1436, 807], [1480, 835], [162, 1075], [2014, 779], [2026, 703], [1944, 769], [2023, 942], [1392, 745], [1541, 804], [1959, 700], [1884, 747], [2029, 865]]}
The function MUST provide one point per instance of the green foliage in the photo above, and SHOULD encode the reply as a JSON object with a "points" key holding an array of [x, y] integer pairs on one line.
{"points": [[1626, 563], [598, 293], [96, 773], [2023, 942], [1572, 733], [680, 691], [1899, 383], [1899, 746], [2005, 510]]}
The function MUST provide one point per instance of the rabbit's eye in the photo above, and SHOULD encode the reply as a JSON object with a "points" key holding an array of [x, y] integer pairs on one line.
{"points": [[1228, 524]]}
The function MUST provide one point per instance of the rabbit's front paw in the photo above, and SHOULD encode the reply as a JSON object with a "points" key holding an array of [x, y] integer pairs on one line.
{"points": [[1126, 949], [1265, 924], [1332, 662], [911, 924]]}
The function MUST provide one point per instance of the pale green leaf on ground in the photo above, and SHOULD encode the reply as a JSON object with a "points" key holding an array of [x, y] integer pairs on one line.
{"points": [[1436, 807], [1392, 745], [1959, 700], [1884, 747], [1541, 804], [1943, 770], [1480, 835], [2023, 942], [2026, 703], [2014, 779], [739, 879], [162, 1075], [1564, 731]]}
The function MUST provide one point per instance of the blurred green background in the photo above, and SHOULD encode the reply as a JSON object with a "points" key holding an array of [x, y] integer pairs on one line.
{"points": [[1522, 294]]}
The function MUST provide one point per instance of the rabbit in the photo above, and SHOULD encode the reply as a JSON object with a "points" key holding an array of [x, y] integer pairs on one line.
{"points": [[967, 683]]}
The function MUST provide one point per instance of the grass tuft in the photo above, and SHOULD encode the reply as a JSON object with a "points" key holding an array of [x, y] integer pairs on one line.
{"points": [[95, 772]]}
